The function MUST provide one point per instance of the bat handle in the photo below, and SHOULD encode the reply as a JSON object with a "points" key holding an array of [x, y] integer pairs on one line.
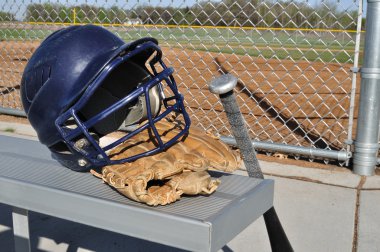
{"points": [[223, 86]]}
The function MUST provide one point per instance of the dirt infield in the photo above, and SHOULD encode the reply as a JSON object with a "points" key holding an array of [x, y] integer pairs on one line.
{"points": [[13, 58], [299, 103]]}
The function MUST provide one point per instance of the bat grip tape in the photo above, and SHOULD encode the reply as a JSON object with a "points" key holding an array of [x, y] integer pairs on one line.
{"points": [[240, 132]]}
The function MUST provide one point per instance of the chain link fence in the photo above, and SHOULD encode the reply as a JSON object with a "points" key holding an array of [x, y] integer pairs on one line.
{"points": [[296, 60]]}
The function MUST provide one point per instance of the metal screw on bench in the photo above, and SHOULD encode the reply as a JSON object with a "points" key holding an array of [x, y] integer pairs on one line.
{"points": [[223, 86]]}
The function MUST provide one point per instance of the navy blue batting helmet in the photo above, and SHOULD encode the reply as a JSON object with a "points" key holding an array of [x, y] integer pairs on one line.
{"points": [[84, 82]]}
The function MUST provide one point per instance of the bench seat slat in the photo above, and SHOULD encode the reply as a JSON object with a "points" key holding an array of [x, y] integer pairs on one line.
{"points": [[30, 179]]}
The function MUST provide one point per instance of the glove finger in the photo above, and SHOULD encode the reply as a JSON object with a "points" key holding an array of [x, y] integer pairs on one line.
{"points": [[160, 195], [208, 146], [194, 162], [193, 183]]}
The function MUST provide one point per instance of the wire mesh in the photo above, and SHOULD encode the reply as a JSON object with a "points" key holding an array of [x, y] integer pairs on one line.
{"points": [[292, 58]]}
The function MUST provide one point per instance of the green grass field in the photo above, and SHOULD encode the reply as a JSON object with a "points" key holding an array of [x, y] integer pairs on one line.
{"points": [[297, 45]]}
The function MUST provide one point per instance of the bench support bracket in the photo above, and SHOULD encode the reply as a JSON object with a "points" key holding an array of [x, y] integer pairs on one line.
{"points": [[21, 229]]}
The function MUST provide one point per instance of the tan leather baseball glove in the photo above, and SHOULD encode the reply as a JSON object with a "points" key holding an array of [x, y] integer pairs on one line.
{"points": [[162, 178]]}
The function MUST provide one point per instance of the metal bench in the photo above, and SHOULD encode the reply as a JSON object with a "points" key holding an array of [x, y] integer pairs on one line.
{"points": [[31, 180]]}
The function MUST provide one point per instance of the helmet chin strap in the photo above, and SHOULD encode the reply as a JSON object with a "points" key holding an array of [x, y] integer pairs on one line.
{"points": [[139, 112]]}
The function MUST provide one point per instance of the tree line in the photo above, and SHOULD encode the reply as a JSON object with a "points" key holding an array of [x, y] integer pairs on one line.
{"points": [[249, 13], [49, 12], [6, 16]]}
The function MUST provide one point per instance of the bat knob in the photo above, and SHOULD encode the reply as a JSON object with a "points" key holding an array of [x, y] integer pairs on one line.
{"points": [[223, 84]]}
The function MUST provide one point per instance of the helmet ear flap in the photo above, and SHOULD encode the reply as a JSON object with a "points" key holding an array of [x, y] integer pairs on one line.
{"points": [[72, 156]]}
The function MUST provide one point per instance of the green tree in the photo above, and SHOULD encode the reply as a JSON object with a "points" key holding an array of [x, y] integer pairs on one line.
{"points": [[7, 16], [117, 15], [47, 12]]}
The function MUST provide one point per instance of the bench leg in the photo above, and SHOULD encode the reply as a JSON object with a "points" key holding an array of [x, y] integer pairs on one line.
{"points": [[21, 229]]}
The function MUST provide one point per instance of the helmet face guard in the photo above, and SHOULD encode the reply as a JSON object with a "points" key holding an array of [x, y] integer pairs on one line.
{"points": [[77, 131]]}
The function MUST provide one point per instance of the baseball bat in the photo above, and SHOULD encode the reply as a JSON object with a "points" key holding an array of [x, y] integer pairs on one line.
{"points": [[223, 86]]}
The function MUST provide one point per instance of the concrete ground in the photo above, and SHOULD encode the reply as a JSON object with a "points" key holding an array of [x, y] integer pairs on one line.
{"points": [[320, 210]]}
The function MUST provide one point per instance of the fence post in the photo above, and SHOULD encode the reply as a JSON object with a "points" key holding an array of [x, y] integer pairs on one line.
{"points": [[367, 133]]}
